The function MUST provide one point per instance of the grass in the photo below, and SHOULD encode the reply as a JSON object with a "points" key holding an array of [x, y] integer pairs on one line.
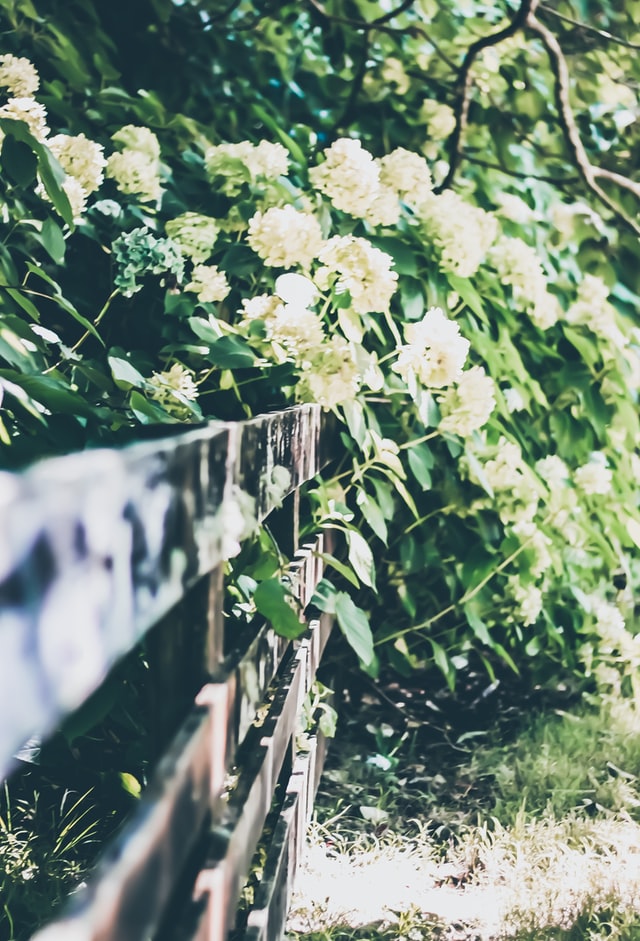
{"points": [[526, 833]]}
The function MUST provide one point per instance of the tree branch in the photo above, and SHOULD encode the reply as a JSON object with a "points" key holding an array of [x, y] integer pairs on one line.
{"points": [[520, 175], [463, 84], [586, 169], [587, 28]]}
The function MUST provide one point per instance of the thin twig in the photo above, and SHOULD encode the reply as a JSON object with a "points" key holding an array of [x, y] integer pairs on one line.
{"points": [[587, 170], [602, 33], [519, 174], [463, 84]]}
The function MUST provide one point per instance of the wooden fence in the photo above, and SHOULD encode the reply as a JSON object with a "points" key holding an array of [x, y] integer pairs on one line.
{"points": [[102, 549]]}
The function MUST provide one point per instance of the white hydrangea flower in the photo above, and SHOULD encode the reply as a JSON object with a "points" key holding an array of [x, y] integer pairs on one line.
{"points": [[363, 270], [433, 352], [269, 160], [594, 477], [610, 624], [76, 195], [136, 169], [236, 164], [284, 237], [538, 543], [462, 233], [349, 177], [384, 210], [332, 378], [209, 283], [518, 265], [81, 158], [19, 76], [297, 330], [592, 308], [466, 407], [529, 600], [260, 307], [513, 399], [406, 173], [172, 388], [505, 470], [553, 471], [135, 174], [393, 73], [31, 112], [439, 118], [142, 139], [195, 234], [515, 209]]}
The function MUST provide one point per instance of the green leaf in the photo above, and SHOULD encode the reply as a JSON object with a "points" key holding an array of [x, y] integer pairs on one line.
{"points": [[148, 413], [324, 596], [19, 161], [354, 624], [361, 557], [271, 600], [469, 295], [125, 375], [421, 461], [53, 240], [51, 173], [444, 664], [231, 353], [56, 396], [340, 567], [372, 514]]}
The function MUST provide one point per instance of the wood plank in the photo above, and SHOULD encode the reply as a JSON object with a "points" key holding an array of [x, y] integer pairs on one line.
{"points": [[96, 547], [124, 900], [233, 839]]}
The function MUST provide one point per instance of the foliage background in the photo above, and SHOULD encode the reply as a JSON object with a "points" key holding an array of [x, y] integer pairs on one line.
{"points": [[457, 544]]}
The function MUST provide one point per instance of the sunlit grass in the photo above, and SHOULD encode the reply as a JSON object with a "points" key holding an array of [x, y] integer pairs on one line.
{"points": [[534, 840]]}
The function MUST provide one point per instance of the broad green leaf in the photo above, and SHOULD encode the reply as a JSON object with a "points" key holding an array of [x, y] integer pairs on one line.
{"points": [[372, 514], [469, 295], [51, 173], [19, 161], [231, 353], [344, 570], [125, 375], [421, 461], [354, 624], [361, 557], [271, 600], [148, 413]]}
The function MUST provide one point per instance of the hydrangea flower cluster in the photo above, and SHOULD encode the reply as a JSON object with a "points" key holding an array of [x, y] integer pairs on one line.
{"points": [[232, 166], [518, 265], [434, 351], [174, 389], [593, 310], [136, 167], [462, 233]]}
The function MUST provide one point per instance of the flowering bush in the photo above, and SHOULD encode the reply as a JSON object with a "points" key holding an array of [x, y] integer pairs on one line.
{"points": [[483, 368]]}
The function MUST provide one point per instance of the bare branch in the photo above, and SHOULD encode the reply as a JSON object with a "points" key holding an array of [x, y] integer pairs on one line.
{"points": [[405, 5], [587, 28], [560, 181], [464, 82], [587, 171]]}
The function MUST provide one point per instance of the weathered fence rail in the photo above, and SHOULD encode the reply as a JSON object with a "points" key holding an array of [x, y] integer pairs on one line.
{"points": [[102, 549]]}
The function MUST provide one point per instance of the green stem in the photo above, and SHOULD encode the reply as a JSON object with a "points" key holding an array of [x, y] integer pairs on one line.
{"points": [[468, 595], [76, 346]]}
